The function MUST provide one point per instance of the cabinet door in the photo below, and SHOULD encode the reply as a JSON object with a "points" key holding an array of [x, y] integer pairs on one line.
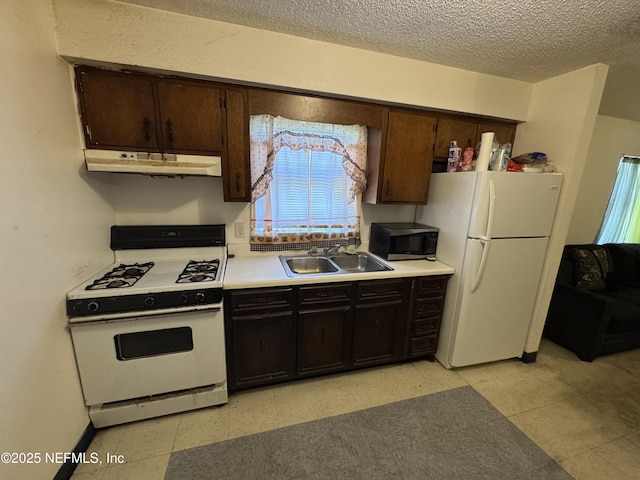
{"points": [[377, 336], [462, 131], [263, 349], [117, 110], [504, 132], [408, 158], [236, 171], [191, 117], [323, 340]]}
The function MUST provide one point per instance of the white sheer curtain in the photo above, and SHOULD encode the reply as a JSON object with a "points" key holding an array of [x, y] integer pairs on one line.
{"points": [[621, 223]]}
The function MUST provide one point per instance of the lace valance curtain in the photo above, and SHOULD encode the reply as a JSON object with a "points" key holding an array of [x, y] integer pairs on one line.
{"points": [[339, 221], [270, 134]]}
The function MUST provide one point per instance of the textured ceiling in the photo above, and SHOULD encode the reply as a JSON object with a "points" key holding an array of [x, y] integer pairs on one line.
{"points": [[529, 40]]}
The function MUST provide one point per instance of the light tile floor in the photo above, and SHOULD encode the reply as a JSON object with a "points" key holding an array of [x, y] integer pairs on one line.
{"points": [[584, 415]]}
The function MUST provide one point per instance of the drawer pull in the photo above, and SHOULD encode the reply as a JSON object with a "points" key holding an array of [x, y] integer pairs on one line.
{"points": [[263, 300]]}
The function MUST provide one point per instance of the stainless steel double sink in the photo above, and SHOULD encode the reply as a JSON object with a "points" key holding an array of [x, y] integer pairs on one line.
{"points": [[331, 264]]}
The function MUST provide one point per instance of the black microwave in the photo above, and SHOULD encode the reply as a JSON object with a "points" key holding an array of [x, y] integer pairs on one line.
{"points": [[403, 241]]}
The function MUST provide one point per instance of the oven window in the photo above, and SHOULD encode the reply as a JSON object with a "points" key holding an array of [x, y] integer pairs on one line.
{"points": [[153, 343]]}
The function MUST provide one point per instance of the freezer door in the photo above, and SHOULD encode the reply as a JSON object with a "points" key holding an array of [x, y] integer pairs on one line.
{"points": [[497, 297], [509, 204]]}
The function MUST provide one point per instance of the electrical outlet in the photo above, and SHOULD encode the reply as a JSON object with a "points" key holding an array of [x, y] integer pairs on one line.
{"points": [[239, 226]]}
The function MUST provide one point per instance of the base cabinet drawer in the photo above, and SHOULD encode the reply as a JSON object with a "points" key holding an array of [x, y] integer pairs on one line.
{"points": [[428, 306], [258, 299], [425, 326], [425, 345]]}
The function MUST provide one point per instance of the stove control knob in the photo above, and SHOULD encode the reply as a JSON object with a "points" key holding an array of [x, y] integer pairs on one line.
{"points": [[200, 296], [185, 298], [93, 306], [149, 301]]}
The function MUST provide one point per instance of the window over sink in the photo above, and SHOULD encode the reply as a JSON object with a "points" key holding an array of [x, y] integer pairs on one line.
{"points": [[307, 179]]}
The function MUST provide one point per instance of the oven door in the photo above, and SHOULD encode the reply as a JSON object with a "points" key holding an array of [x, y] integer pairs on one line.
{"points": [[151, 355]]}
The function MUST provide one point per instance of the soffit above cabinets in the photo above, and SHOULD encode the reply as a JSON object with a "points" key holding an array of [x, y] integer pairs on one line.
{"points": [[528, 40]]}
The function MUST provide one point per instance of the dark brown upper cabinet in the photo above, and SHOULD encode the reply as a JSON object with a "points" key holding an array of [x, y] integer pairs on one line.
{"points": [[504, 132], [236, 170], [145, 113], [190, 116], [462, 131], [468, 133], [150, 113], [118, 110], [400, 159]]}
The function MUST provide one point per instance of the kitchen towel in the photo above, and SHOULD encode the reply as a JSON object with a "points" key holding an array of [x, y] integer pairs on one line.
{"points": [[486, 145]]}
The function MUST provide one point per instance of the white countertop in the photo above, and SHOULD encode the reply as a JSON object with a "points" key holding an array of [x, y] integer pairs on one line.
{"points": [[266, 271]]}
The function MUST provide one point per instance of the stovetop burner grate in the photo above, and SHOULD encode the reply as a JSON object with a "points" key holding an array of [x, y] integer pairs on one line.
{"points": [[121, 276], [199, 271]]}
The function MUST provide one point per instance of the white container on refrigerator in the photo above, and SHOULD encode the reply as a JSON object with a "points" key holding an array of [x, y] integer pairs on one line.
{"points": [[494, 230]]}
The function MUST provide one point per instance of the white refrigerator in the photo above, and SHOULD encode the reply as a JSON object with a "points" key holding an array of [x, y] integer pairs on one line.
{"points": [[494, 230]]}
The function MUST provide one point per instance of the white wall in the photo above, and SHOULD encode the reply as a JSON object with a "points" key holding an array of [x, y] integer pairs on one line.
{"points": [[146, 201], [53, 220], [612, 138], [561, 120]]}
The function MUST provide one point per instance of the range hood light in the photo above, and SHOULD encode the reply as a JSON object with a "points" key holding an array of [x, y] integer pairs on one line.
{"points": [[157, 164]]}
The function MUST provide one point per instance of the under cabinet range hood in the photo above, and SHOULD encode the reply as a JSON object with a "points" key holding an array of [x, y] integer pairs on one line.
{"points": [[158, 164]]}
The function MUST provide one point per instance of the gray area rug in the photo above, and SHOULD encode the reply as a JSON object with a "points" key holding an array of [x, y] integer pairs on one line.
{"points": [[454, 434]]}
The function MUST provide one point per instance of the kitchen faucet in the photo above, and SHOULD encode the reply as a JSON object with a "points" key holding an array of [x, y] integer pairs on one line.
{"points": [[334, 249]]}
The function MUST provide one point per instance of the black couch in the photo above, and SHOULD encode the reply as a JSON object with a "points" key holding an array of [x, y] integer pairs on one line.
{"points": [[595, 307]]}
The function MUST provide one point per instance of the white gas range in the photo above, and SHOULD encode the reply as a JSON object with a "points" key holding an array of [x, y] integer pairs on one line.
{"points": [[148, 331]]}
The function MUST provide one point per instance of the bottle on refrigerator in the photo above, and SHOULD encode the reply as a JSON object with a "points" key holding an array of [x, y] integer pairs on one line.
{"points": [[454, 157], [467, 159]]}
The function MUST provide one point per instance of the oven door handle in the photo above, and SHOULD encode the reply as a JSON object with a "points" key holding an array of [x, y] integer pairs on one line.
{"points": [[128, 316]]}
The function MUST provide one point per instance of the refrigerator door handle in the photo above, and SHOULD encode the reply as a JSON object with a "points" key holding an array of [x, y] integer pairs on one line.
{"points": [[492, 211], [483, 263]]}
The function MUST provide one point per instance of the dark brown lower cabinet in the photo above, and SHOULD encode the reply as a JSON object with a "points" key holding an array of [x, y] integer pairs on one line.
{"points": [[283, 333], [377, 335], [323, 340], [263, 348], [425, 313]]}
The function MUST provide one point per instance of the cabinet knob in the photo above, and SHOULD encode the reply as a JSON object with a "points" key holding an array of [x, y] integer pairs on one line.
{"points": [[238, 182]]}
